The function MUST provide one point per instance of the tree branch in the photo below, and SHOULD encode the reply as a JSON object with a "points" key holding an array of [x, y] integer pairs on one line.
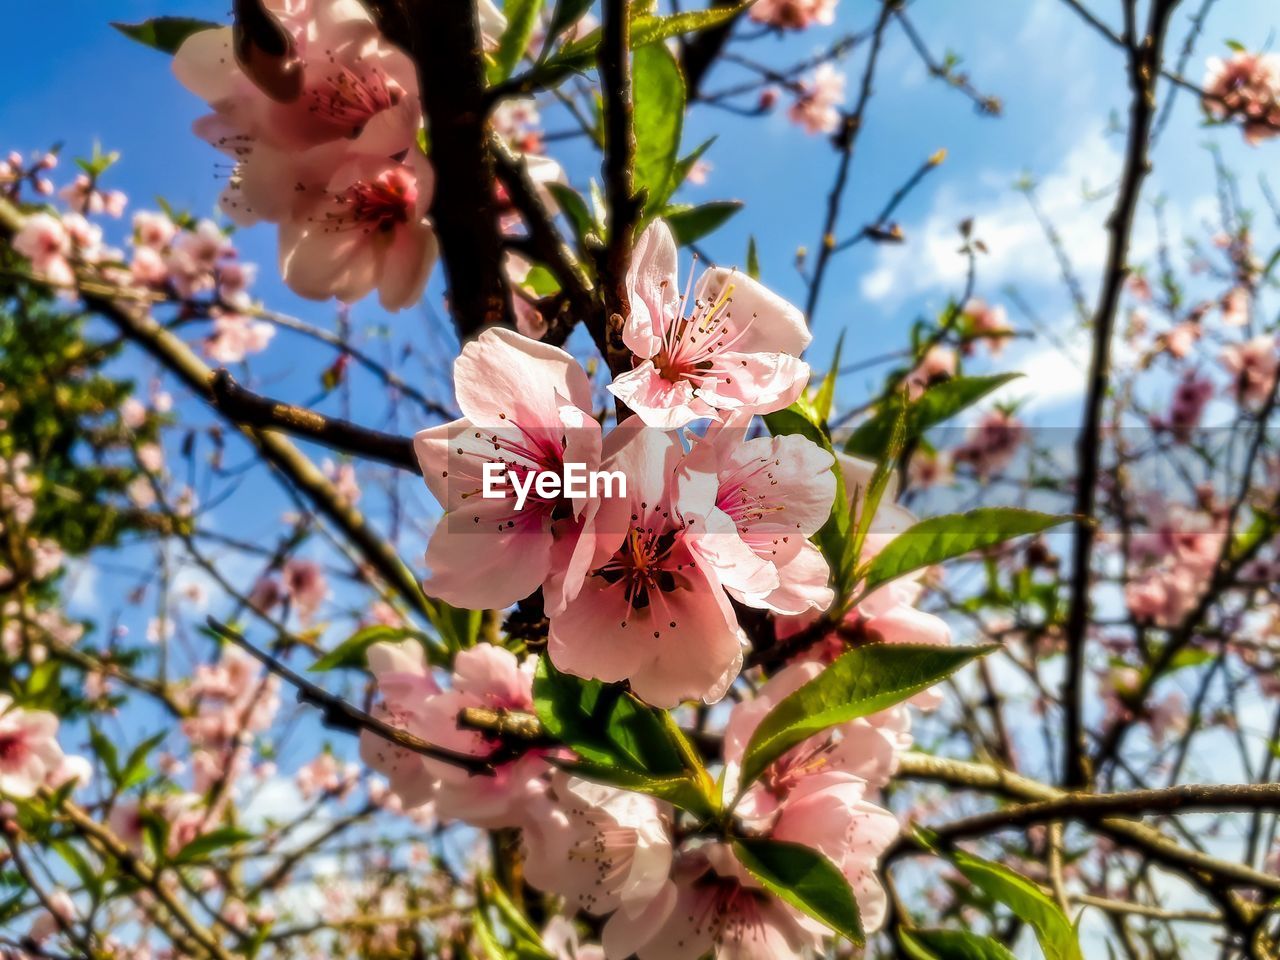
{"points": [[443, 37], [1144, 68]]}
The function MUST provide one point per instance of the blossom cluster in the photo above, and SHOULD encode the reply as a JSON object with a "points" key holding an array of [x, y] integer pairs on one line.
{"points": [[1245, 87], [642, 588]]}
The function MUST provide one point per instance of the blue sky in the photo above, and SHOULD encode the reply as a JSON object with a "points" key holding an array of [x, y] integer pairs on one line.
{"points": [[75, 80]]}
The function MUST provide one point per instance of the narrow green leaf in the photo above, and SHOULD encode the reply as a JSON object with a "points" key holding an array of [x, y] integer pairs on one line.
{"points": [[685, 165], [575, 210], [522, 20], [200, 848], [952, 535], [350, 653], [938, 403], [1029, 903], [567, 13], [679, 791], [951, 945], [165, 34], [659, 114], [861, 682], [826, 395], [693, 223], [805, 879], [753, 259]]}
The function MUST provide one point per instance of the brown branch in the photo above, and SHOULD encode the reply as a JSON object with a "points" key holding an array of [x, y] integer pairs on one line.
{"points": [[149, 878], [337, 714], [846, 140], [443, 37], [1144, 68], [250, 409], [546, 243], [619, 170], [1199, 867]]}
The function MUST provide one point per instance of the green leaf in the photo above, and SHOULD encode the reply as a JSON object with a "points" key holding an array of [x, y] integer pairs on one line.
{"points": [[952, 535], [1029, 903], [805, 879], [200, 848], [350, 653], [693, 223], [603, 724], [105, 750], [165, 34], [522, 20], [567, 13], [659, 114], [938, 403], [753, 259], [951, 945], [684, 166], [861, 682], [135, 767], [621, 740], [680, 791], [575, 210], [644, 30], [827, 392], [458, 628]]}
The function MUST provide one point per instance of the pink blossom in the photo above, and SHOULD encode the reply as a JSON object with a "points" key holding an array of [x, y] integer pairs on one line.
{"points": [[74, 770], [1181, 338], [1190, 397], [405, 684], [817, 107], [992, 443], [938, 363], [651, 610], [325, 775], [712, 906], [306, 587], [1245, 87], [61, 913], [44, 241], [489, 677], [29, 751], [560, 937], [737, 350], [365, 228], [357, 90], [867, 748], [1235, 307], [599, 847], [773, 494], [794, 14], [343, 476], [527, 406], [236, 336], [988, 322], [153, 230], [1252, 365], [324, 164]]}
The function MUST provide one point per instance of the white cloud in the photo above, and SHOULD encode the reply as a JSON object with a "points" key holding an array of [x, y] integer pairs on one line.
{"points": [[1003, 220]]}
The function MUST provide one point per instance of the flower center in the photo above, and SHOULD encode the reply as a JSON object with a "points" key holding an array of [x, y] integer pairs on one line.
{"points": [[13, 749], [382, 203], [349, 99]]}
